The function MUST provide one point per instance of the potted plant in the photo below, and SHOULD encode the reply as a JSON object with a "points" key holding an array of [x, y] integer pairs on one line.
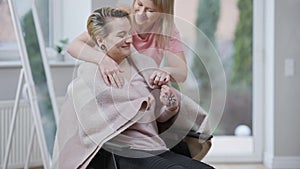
{"points": [[60, 49]]}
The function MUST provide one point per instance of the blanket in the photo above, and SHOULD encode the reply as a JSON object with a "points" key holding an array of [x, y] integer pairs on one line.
{"points": [[93, 113]]}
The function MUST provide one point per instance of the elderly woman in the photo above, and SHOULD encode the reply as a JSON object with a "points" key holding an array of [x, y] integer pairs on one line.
{"points": [[94, 113]]}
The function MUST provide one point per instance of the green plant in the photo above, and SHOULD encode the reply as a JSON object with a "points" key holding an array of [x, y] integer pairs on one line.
{"points": [[61, 45], [207, 20], [242, 67], [208, 16]]}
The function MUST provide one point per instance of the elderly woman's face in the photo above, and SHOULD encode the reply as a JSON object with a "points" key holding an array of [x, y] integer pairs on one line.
{"points": [[119, 39]]}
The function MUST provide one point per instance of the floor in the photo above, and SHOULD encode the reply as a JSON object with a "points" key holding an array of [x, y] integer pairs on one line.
{"points": [[239, 166]]}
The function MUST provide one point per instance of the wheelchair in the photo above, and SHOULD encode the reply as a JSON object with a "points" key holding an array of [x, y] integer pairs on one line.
{"points": [[194, 145]]}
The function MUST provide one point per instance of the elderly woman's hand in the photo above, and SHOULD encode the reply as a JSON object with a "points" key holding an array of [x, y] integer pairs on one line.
{"points": [[168, 98], [160, 77]]}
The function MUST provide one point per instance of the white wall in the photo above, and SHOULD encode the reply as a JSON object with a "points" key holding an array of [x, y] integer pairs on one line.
{"points": [[287, 88], [74, 17], [62, 75], [283, 110], [75, 14], [97, 4]]}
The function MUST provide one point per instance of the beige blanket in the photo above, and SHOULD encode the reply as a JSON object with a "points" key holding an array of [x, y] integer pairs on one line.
{"points": [[94, 113]]}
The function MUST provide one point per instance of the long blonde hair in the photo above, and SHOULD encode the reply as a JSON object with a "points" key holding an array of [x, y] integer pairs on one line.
{"points": [[166, 8], [96, 24]]}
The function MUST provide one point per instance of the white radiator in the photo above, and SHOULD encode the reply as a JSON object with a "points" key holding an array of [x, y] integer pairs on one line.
{"points": [[21, 136]]}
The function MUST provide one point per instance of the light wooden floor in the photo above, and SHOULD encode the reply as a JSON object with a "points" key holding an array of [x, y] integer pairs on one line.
{"points": [[239, 166]]}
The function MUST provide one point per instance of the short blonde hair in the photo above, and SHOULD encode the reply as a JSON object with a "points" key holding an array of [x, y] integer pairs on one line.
{"points": [[96, 24]]}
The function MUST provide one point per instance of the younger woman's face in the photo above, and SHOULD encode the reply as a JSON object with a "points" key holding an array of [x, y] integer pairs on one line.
{"points": [[119, 39], [145, 13]]}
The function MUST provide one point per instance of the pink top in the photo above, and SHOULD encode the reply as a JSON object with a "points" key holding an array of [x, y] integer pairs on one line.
{"points": [[149, 46]]}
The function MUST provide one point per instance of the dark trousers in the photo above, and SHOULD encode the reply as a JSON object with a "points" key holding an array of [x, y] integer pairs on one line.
{"points": [[165, 160]]}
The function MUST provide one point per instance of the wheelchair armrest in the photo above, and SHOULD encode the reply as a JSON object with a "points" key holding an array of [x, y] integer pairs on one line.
{"points": [[115, 146], [194, 134], [198, 143], [194, 145], [201, 136]]}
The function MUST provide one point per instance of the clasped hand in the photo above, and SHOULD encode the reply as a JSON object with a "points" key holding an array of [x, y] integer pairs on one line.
{"points": [[167, 97]]}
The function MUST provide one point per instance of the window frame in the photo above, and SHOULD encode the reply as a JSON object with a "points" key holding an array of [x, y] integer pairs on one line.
{"points": [[257, 96]]}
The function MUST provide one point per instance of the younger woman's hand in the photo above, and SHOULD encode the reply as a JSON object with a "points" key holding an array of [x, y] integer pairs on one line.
{"points": [[168, 98], [110, 72], [159, 77]]}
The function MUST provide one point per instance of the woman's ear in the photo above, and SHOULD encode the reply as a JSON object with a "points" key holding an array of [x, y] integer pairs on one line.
{"points": [[101, 44], [99, 41]]}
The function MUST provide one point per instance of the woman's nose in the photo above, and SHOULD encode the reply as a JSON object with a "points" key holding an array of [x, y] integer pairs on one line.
{"points": [[128, 39], [141, 11]]}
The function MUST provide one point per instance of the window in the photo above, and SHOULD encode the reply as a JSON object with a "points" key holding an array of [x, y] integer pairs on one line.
{"points": [[8, 46], [8, 43], [234, 31]]}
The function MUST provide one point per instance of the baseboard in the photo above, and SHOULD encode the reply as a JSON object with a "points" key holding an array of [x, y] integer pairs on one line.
{"points": [[278, 162]]}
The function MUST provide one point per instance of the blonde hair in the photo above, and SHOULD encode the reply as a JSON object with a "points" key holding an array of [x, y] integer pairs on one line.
{"points": [[96, 24], [166, 7]]}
